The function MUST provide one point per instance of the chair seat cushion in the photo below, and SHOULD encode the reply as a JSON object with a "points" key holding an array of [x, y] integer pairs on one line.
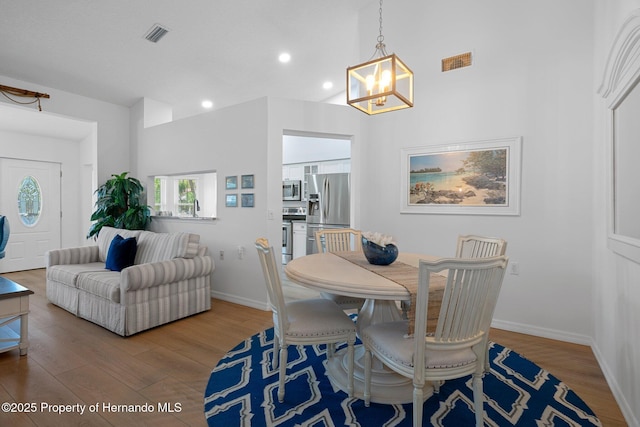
{"points": [[389, 340], [317, 318]]}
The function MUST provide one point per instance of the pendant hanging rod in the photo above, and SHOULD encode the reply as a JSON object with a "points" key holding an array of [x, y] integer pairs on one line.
{"points": [[8, 90], [23, 92]]}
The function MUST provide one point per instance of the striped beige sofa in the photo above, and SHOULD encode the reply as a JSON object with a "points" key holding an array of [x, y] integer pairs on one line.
{"points": [[170, 279]]}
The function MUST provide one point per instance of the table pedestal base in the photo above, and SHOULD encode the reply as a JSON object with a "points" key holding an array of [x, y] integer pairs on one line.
{"points": [[387, 386]]}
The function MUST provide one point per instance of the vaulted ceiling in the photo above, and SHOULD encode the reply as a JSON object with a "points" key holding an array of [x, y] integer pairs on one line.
{"points": [[225, 51]]}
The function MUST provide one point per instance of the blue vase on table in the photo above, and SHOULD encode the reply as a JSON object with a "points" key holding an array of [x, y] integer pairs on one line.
{"points": [[379, 255]]}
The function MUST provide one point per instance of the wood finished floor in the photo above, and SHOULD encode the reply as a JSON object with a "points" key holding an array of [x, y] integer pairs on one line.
{"points": [[72, 361]]}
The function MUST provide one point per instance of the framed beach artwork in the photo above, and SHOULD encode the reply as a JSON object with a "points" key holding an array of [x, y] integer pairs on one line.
{"points": [[468, 178]]}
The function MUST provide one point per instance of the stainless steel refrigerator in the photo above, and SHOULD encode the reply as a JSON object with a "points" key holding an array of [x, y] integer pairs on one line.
{"points": [[328, 204]]}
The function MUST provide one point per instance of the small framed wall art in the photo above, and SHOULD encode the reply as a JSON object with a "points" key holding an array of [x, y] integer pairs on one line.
{"points": [[247, 181], [231, 182], [247, 200], [231, 201]]}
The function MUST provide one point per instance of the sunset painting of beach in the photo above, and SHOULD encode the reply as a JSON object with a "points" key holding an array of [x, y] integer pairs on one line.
{"points": [[468, 177]]}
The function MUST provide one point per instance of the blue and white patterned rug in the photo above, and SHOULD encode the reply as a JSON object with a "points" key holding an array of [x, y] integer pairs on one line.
{"points": [[242, 392]]}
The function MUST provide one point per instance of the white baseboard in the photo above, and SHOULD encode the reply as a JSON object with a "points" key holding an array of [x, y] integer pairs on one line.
{"points": [[625, 408], [260, 305], [542, 332]]}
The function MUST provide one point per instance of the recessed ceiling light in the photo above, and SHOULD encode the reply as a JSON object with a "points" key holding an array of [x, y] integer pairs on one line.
{"points": [[327, 85], [284, 57], [207, 104]]}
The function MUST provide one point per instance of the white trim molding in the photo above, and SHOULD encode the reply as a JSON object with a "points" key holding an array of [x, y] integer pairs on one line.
{"points": [[621, 76], [623, 63]]}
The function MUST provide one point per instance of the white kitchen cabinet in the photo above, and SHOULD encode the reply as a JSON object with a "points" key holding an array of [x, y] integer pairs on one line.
{"points": [[292, 172], [311, 168], [285, 172], [335, 166], [299, 238], [299, 171], [296, 172]]}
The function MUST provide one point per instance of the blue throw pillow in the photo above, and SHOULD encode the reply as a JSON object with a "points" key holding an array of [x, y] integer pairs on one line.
{"points": [[122, 253]]}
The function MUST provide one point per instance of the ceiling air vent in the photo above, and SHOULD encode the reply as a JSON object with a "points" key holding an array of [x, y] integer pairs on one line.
{"points": [[156, 33], [455, 62]]}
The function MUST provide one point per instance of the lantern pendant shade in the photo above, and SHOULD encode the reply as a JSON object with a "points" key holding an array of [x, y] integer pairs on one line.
{"points": [[380, 85]]}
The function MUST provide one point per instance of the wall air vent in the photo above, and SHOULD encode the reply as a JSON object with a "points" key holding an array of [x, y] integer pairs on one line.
{"points": [[156, 33], [455, 62]]}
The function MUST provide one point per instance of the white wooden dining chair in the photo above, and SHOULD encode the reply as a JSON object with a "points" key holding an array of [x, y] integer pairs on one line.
{"points": [[340, 240], [456, 349], [480, 247], [302, 322], [472, 246]]}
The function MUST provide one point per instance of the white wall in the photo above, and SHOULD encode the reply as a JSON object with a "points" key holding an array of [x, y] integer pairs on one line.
{"points": [[311, 149], [243, 139], [524, 82], [531, 77], [112, 151], [616, 303], [103, 152], [233, 142]]}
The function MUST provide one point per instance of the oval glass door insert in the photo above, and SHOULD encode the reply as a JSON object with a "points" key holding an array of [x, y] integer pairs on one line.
{"points": [[29, 201]]}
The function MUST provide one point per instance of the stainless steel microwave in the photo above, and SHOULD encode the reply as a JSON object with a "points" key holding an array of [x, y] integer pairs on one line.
{"points": [[291, 190]]}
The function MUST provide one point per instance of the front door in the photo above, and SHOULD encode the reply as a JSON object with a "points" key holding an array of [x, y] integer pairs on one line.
{"points": [[30, 199]]}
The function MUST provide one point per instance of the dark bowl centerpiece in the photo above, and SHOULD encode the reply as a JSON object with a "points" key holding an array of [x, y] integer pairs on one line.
{"points": [[378, 249]]}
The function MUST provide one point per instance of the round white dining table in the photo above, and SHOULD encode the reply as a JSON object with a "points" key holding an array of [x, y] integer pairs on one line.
{"points": [[328, 272]]}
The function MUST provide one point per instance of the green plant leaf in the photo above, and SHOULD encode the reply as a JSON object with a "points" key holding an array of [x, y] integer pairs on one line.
{"points": [[118, 205]]}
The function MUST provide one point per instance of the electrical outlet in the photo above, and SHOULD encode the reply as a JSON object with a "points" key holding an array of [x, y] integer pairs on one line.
{"points": [[221, 255], [515, 268], [240, 252]]}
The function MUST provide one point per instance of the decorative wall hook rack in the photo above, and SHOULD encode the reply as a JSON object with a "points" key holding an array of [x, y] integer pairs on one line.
{"points": [[8, 90]]}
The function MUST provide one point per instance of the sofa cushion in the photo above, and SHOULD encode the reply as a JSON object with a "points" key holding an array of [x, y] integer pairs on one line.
{"points": [[105, 284], [122, 253], [202, 250], [107, 234], [67, 274], [156, 247]]}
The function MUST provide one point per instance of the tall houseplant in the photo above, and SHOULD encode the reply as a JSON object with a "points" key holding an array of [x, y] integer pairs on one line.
{"points": [[119, 205]]}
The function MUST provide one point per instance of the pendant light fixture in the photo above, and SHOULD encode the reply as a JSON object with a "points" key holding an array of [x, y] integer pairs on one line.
{"points": [[384, 83]]}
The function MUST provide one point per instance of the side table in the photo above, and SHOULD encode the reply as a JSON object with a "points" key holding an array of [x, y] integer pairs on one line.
{"points": [[14, 306]]}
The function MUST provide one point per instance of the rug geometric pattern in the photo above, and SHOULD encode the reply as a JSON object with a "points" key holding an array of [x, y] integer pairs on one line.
{"points": [[242, 391]]}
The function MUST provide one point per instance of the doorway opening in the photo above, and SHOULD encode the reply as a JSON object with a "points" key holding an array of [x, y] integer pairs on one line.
{"points": [[304, 156], [30, 201], [52, 138]]}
